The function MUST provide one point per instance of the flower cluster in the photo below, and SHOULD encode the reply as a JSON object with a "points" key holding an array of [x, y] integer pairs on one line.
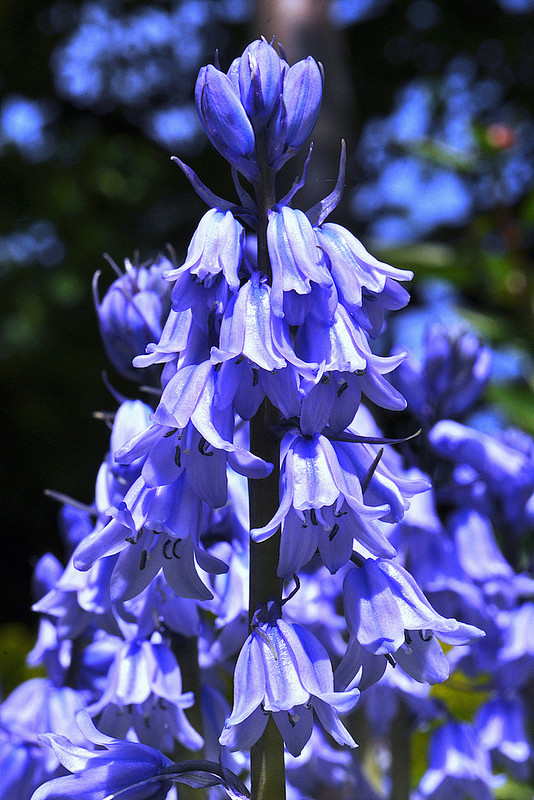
{"points": [[270, 316]]}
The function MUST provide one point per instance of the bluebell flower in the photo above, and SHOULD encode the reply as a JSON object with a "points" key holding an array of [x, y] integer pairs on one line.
{"points": [[359, 276], [501, 726], [322, 506], [144, 687], [132, 314], [459, 766], [250, 328], [216, 247], [295, 258], [125, 769], [258, 75], [388, 614], [283, 669]]}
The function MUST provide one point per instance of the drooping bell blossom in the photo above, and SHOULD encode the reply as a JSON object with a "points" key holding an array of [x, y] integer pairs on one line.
{"points": [[459, 766], [283, 670], [125, 769], [296, 260], [319, 502], [142, 673], [342, 345], [132, 314], [216, 247], [359, 276], [250, 328], [385, 609], [154, 528]]}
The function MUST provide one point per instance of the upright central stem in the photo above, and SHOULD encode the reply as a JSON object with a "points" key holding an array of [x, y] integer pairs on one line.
{"points": [[267, 755]]}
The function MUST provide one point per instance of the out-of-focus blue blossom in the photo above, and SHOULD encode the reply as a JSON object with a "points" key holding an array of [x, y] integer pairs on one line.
{"points": [[501, 726], [134, 58], [411, 193], [347, 12], [38, 243], [23, 123], [451, 379], [144, 693], [459, 766], [320, 769]]}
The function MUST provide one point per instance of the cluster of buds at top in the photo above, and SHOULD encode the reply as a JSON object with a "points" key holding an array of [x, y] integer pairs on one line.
{"points": [[260, 93]]}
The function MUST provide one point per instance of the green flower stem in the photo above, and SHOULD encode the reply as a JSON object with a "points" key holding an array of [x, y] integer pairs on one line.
{"points": [[400, 771], [267, 755]]}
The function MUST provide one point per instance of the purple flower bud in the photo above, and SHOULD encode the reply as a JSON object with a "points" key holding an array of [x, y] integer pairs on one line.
{"points": [[303, 89], [260, 77], [225, 120]]}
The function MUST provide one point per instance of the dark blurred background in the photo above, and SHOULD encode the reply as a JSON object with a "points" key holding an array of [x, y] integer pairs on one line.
{"points": [[434, 98]]}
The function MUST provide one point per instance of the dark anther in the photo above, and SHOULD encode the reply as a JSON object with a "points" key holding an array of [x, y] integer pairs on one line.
{"points": [[342, 388], [326, 379], [313, 516], [239, 359], [255, 376], [170, 433], [333, 531], [177, 456], [165, 549], [294, 591], [292, 720], [202, 448], [339, 513], [142, 562], [425, 638], [407, 637], [372, 469], [175, 554], [391, 660], [134, 539]]}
